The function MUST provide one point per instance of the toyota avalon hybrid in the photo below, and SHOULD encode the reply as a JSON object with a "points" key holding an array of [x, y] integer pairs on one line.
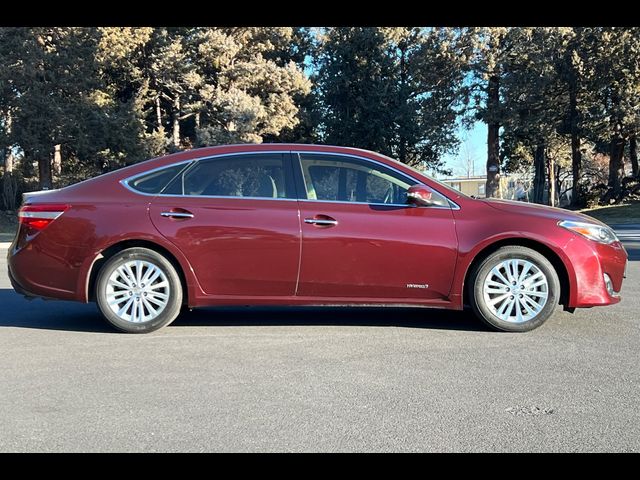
{"points": [[284, 224]]}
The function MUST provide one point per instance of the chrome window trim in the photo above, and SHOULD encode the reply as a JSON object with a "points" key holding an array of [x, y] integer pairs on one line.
{"points": [[168, 195], [453, 205], [125, 181], [344, 202]]}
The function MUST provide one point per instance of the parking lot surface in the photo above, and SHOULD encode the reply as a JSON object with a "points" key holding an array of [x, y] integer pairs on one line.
{"points": [[313, 379]]}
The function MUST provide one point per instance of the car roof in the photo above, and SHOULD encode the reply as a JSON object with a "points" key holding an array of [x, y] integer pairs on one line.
{"points": [[248, 147]]}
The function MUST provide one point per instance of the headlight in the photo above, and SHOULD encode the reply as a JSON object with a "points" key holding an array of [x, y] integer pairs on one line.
{"points": [[594, 232]]}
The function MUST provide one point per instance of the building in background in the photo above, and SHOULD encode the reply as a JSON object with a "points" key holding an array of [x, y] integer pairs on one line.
{"points": [[472, 186], [514, 187]]}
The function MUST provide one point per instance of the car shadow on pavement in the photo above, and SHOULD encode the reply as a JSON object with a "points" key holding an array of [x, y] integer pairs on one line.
{"points": [[407, 317], [16, 311]]}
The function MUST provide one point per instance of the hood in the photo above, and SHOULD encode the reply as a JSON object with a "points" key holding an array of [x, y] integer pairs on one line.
{"points": [[533, 209]]}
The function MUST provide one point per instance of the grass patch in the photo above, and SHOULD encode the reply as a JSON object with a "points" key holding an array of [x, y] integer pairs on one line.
{"points": [[616, 214]]}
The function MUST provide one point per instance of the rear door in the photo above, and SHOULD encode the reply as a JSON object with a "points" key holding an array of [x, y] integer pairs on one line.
{"points": [[360, 239], [235, 217]]}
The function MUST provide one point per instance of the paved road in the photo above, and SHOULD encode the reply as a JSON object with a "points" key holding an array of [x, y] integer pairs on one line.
{"points": [[314, 379]]}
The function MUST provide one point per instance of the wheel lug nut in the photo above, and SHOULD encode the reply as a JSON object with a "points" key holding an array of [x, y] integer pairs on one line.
{"points": [[130, 293], [145, 294], [511, 297], [521, 295]]}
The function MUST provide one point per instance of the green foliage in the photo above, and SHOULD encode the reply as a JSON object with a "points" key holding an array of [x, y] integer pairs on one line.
{"points": [[566, 91], [392, 90], [117, 95], [107, 97]]}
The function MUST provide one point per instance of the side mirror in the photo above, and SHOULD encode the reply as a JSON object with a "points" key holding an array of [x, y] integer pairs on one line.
{"points": [[423, 196]]}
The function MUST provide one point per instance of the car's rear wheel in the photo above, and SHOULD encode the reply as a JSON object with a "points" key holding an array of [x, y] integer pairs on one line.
{"points": [[138, 291], [515, 289]]}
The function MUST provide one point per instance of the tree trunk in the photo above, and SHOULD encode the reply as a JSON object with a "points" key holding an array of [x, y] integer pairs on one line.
{"points": [[158, 113], [493, 138], [576, 155], [576, 167], [616, 171], [540, 174], [402, 151], [8, 161], [176, 122], [57, 160], [197, 120], [44, 172], [552, 182], [558, 185], [8, 157], [633, 155]]}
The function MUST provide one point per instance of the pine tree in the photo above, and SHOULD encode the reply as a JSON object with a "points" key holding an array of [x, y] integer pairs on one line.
{"points": [[51, 74], [251, 86], [491, 47], [392, 90], [614, 71]]}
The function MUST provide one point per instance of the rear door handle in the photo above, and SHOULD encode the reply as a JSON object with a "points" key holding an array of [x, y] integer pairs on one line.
{"points": [[177, 214], [321, 220]]}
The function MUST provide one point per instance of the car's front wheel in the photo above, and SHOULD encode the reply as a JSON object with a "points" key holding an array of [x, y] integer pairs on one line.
{"points": [[138, 291], [515, 289]]}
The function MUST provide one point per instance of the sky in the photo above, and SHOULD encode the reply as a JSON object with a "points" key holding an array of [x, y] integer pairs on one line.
{"points": [[473, 145]]}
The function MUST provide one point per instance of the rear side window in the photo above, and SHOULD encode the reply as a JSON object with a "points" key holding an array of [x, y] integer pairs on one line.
{"points": [[254, 175], [154, 182]]}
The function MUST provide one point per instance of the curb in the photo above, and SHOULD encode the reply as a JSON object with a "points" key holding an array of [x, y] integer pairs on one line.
{"points": [[627, 234], [629, 231], [4, 245]]}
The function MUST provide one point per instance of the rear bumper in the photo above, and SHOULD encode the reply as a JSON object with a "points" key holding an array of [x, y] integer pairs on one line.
{"points": [[19, 288], [31, 274], [23, 291]]}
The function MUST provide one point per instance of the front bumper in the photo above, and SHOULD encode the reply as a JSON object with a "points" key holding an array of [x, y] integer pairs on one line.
{"points": [[598, 272]]}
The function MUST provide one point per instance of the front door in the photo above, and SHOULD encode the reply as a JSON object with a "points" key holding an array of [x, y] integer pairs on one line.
{"points": [[236, 219], [360, 240]]}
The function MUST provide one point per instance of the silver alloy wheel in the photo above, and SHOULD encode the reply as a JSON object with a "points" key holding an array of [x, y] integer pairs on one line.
{"points": [[515, 290], [137, 291]]}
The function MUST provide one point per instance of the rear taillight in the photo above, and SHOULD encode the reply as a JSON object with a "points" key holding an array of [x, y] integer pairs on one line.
{"points": [[38, 217]]}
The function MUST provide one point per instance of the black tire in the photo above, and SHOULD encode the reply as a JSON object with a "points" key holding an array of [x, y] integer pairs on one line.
{"points": [[480, 272], [173, 303]]}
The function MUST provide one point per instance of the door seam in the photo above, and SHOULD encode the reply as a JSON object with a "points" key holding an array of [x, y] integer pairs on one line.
{"points": [[295, 293]]}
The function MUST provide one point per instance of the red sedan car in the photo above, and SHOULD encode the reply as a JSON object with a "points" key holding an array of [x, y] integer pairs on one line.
{"points": [[279, 224]]}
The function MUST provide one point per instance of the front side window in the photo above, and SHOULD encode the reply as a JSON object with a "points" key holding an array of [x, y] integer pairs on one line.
{"points": [[350, 179], [242, 175]]}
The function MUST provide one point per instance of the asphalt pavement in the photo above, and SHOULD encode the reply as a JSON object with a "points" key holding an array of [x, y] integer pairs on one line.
{"points": [[311, 379]]}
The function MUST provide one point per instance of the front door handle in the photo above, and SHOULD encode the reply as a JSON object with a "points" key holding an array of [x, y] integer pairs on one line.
{"points": [[321, 220], [177, 214]]}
